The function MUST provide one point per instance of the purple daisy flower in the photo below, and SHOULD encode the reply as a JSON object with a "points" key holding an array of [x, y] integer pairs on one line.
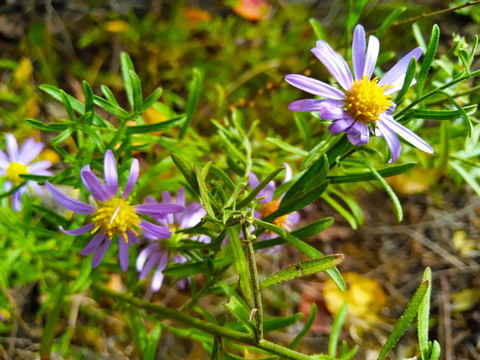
{"points": [[113, 215], [269, 204], [19, 162], [157, 253], [364, 100]]}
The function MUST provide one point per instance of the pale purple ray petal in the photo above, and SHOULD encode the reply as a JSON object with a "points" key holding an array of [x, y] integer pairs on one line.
{"points": [[69, 203], [293, 218], [358, 52], [132, 178], [29, 151], [358, 133], [38, 166], [100, 253], [335, 63], [159, 231], [334, 114], [144, 254], [110, 173], [17, 200], [314, 86], [78, 231], [167, 199], [85, 183], [123, 252], [398, 84], [288, 172], [400, 68], [12, 147], [268, 192], [97, 189], [150, 263], [253, 180], [158, 209], [407, 134], [158, 276], [7, 186], [94, 243], [4, 160], [192, 216], [180, 198], [132, 238], [150, 200], [34, 187], [391, 140], [340, 125], [372, 56], [307, 105]]}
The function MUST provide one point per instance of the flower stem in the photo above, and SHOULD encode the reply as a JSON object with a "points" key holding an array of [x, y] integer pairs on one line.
{"points": [[252, 265]]}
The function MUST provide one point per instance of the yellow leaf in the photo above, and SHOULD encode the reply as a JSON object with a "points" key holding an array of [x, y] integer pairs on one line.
{"points": [[465, 299]]}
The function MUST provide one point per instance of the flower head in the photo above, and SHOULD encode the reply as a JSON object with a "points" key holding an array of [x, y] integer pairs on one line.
{"points": [[19, 162], [157, 253], [113, 215], [269, 204], [364, 101]]}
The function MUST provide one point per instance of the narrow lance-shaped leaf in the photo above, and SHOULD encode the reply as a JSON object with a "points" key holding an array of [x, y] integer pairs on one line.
{"points": [[194, 95], [302, 269], [286, 146], [50, 127], [441, 114], [137, 91], [317, 29], [306, 327], [462, 111], [160, 126], [112, 108], [152, 99], [126, 66], [259, 188], [68, 106], [405, 320], [239, 260], [151, 347], [428, 59], [336, 328], [271, 227], [89, 105], [389, 19], [241, 314], [465, 58], [367, 176], [187, 170], [423, 316], [204, 192], [410, 74]]}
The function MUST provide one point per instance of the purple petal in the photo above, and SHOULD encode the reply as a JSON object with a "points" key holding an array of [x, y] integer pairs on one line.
{"points": [[38, 166], [166, 197], [288, 172], [253, 180], [97, 189], [314, 87], [306, 105], [158, 276], [334, 114], [69, 203], [158, 209], [29, 151], [85, 183], [123, 252], [132, 178], [100, 253], [132, 238], [372, 56], [340, 125], [399, 70], [110, 173], [293, 218], [17, 200], [78, 231], [391, 140], [180, 198], [93, 244], [335, 63], [358, 133], [193, 215], [407, 134], [144, 254], [150, 264], [268, 192], [358, 52], [12, 147], [159, 231], [4, 160]]}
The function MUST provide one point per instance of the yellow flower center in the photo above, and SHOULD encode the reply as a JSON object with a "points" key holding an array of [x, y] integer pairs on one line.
{"points": [[14, 171], [116, 216], [281, 221], [366, 100]]}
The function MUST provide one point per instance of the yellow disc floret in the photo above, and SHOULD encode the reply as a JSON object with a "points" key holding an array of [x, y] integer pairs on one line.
{"points": [[14, 171], [281, 221], [116, 216], [366, 100]]}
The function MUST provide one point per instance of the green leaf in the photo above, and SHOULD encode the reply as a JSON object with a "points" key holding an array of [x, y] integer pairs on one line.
{"points": [[137, 91], [39, 178], [303, 129], [317, 29], [368, 176], [218, 353], [68, 106], [64, 135], [83, 281], [152, 99], [280, 323], [194, 267], [406, 319], [89, 105], [336, 328], [222, 176], [423, 316], [441, 114], [241, 314], [409, 76], [204, 196], [50, 127], [272, 227], [259, 188], [151, 347], [306, 327], [340, 209], [94, 136], [388, 189], [428, 59], [302, 269], [389, 19], [49, 330], [51, 216], [462, 112], [435, 353], [286, 146], [108, 95], [193, 96], [187, 170], [239, 260], [474, 47], [126, 66], [160, 126], [465, 58], [110, 107]]}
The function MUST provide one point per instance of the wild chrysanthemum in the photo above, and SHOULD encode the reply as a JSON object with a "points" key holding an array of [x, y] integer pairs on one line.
{"points": [[364, 101], [113, 215], [19, 162], [157, 253]]}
